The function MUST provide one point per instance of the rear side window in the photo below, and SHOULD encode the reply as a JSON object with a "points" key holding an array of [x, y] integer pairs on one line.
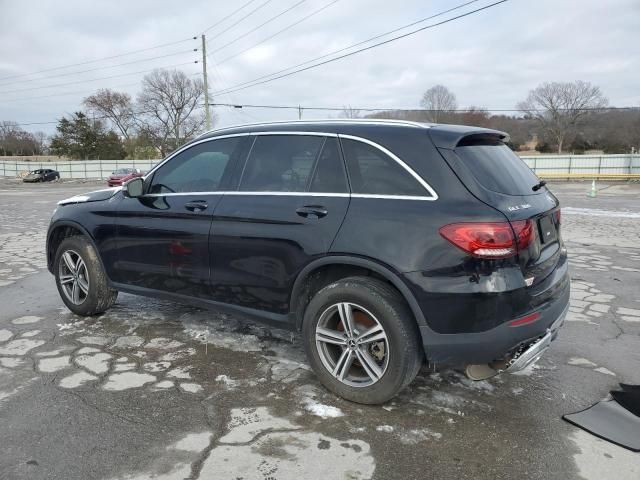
{"points": [[280, 163], [497, 168], [329, 175], [373, 172]]}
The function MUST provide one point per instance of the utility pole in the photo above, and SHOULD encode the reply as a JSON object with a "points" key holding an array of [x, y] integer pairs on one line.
{"points": [[206, 86]]}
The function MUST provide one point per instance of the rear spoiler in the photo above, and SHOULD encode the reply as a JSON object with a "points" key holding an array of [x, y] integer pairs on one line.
{"points": [[451, 136]]}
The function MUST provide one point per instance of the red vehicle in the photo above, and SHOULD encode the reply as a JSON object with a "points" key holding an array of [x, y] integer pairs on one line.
{"points": [[123, 175]]}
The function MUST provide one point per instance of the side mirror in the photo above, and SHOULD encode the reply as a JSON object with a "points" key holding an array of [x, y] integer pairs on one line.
{"points": [[134, 187]]}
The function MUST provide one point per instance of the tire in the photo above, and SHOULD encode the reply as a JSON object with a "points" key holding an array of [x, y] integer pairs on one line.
{"points": [[372, 303], [87, 291]]}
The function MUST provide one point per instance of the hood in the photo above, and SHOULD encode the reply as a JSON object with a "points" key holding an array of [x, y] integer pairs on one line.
{"points": [[97, 196], [118, 176]]}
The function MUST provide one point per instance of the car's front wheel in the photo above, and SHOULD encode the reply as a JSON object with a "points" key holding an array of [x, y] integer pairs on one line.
{"points": [[80, 278], [361, 340]]}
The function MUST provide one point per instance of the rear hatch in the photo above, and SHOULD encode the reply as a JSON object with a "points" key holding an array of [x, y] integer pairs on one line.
{"points": [[500, 179]]}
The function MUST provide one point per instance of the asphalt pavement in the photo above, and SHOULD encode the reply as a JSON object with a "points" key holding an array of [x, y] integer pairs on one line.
{"points": [[158, 390]]}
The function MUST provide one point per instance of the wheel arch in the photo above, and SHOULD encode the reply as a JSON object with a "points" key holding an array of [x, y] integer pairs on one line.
{"points": [[298, 302], [63, 229]]}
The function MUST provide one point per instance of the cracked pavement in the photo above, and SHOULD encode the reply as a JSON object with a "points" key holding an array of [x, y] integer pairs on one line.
{"points": [[159, 390]]}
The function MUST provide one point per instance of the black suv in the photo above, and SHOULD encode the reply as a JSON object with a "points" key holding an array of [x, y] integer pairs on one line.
{"points": [[384, 242]]}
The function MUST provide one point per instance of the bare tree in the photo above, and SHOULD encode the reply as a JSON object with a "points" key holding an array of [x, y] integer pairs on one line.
{"points": [[16, 141], [349, 112], [168, 106], [115, 106], [439, 102], [558, 107], [42, 142], [476, 116]]}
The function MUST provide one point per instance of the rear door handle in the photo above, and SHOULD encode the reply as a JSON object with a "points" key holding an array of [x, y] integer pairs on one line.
{"points": [[311, 211], [196, 205]]}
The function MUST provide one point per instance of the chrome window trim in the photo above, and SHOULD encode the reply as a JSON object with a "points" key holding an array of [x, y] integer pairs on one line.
{"points": [[292, 194], [411, 171], [432, 193], [239, 193], [392, 197]]}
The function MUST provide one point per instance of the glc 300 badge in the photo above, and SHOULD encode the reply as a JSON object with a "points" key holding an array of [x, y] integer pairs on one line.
{"points": [[513, 208]]}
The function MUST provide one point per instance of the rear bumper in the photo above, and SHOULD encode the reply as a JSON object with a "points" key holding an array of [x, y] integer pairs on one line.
{"points": [[532, 352], [501, 341]]}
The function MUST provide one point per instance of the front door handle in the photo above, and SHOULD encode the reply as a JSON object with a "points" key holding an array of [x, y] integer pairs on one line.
{"points": [[196, 205], [311, 211]]}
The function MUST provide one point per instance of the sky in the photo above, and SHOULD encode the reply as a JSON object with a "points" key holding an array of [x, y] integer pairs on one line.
{"points": [[488, 59]]}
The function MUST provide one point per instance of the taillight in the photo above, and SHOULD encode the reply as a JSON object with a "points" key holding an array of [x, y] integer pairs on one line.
{"points": [[490, 239], [524, 233], [558, 216]]}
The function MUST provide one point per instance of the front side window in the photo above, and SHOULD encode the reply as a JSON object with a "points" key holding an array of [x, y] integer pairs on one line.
{"points": [[280, 163], [373, 172], [200, 168]]}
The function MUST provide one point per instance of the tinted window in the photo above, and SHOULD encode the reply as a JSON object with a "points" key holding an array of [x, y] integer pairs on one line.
{"points": [[373, 172], [497, 168], [197, 169], [280, 163], [329, 175]]}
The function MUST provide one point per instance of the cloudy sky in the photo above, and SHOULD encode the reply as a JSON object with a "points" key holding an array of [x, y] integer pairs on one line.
{"points": [[488, 59]]}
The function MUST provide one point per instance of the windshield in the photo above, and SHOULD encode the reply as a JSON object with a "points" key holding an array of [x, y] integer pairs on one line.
{"points": [[123, 171], [497, 168]]}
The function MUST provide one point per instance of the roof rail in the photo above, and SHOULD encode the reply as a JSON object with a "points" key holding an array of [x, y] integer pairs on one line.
{"points": [[341, 120]]}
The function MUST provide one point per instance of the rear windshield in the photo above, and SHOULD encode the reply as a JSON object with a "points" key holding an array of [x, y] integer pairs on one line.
{"points": [[497, 168]]}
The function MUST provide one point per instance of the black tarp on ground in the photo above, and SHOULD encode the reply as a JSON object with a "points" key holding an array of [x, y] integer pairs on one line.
{"points": [[629, 399], [609, 421]]}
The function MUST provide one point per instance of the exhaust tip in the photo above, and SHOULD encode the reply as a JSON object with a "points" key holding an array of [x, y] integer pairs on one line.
{"points": [[480, 372]]}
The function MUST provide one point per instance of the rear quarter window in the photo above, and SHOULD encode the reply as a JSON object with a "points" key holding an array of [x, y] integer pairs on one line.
{"points": [[373, 172], [497, 168]]}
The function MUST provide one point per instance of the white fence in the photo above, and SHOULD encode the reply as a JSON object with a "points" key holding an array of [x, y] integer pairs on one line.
{"points": [[541, 164], [96, 169], [580, 164]]}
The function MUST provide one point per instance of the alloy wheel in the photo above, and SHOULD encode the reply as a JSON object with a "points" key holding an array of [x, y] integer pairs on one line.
{"points": [[352, 344], [73, 277]]}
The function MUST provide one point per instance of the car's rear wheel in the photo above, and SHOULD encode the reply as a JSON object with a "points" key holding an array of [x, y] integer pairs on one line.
{"points": [[361, 340], [80, 278]]}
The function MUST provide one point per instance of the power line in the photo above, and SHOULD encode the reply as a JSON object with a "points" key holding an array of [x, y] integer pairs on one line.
{"points": [[228, 16], [101, 68], [278, 32], [241, 19], [276, 76], [95, 79], [259, 26], [391, 109], [103, 117], [345, 48], [363, 109], [75, 92], [101, 59]]}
